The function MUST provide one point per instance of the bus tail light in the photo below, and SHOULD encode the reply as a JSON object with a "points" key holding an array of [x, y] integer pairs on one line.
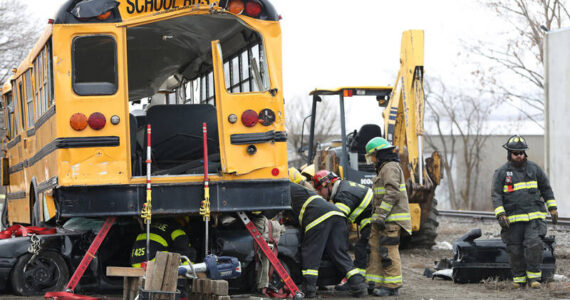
{"points": [[96, 121], [347, 93], [253, 9], [236, 7], [249, 118], [78, 121]]}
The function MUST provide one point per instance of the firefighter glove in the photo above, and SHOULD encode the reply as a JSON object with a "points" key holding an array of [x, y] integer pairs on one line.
{"points": [[380, 222], [554, 216], [503, 221]]}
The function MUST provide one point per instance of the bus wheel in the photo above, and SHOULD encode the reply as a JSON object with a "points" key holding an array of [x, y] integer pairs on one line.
{"points": [[47, 272]]}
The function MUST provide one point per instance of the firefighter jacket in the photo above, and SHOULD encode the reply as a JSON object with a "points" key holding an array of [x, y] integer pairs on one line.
{"points": [[517, 192], [310, 209], [164, 236], [391, 197], [354, 200]]}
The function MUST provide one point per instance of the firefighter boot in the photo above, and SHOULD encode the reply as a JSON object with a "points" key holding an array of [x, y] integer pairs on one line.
{"points": [[309, 290], [342, 286], [534, 284], [517, 285], [384, 292], [358, 286]]}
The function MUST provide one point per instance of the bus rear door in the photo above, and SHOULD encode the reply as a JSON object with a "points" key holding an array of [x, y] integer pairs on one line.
{"points": [[248, 143]]}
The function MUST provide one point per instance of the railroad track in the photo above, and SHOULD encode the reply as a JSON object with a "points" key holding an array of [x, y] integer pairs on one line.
{"points": [[481, 215]]}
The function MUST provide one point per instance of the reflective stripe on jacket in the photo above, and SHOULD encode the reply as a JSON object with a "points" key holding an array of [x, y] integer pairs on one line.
{"points": [[354, 200], [391, 197], [522, 193], [164, 236], [309, 208]]}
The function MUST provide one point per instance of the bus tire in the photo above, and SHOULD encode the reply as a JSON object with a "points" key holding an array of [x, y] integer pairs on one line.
{"points": [[48, 272]]}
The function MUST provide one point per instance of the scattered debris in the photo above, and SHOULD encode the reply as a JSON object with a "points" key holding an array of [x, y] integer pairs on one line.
{"points": [[442, 246], [446, 274], [560, 278]]}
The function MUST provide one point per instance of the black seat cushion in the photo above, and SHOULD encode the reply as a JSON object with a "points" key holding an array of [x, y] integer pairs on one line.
{"points": [[176, 133]]}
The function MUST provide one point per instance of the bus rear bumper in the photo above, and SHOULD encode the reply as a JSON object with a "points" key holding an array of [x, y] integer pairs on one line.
{"points": [[128, 200]]}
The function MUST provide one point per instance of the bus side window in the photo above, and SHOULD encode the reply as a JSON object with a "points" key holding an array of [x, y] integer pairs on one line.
{"points": [[94, 65], [29, 98], [10, 115], [15, 101], [21, 101]]}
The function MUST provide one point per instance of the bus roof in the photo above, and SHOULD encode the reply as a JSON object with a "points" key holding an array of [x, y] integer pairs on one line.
{"points": [[357, 91], [117, 11], [6, 88]]}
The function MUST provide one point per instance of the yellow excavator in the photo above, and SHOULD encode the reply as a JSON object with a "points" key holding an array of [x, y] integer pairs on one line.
{"points": [[403, 126]]}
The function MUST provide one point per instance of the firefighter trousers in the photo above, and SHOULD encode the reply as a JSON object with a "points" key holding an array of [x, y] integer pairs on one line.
{"points": [[384, 267], [361, 249], [330, 237], [525, 248]]}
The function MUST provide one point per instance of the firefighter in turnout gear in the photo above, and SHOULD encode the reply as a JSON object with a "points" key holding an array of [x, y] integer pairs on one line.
{"points": [[324, 231], [165, 235], [355, 201], [521, 195], [296, 177], [391, 212]]}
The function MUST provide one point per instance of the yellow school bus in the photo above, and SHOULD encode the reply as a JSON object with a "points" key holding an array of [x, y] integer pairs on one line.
{"points": [[76, 111]]}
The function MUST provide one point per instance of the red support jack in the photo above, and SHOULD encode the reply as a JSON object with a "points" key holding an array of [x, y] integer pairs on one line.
{"points": [[294, 291], [68, 294]]}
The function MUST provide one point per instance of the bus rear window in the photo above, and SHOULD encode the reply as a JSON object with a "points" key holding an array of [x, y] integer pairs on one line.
{"points": [[94, 65]]}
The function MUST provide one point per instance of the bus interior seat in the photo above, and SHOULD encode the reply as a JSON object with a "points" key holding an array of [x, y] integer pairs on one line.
{"points": [[177, 138]]}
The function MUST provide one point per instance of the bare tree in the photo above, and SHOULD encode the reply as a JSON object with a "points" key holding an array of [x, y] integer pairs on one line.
{"points": [[460, 118], [17, 35], [522, 53], [297, 111]]}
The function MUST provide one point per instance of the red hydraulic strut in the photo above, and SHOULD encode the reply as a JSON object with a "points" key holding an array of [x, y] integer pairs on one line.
{"points": [[68, 294], [294, 291]]}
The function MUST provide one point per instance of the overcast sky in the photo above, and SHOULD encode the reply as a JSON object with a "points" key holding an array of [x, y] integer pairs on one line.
{"points": [[332, 43]]}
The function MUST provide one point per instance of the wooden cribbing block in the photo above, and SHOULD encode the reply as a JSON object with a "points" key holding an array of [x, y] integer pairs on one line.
{"points": [[132, 280], [157, 276], [170, 273], [125, 272], [219, 287]]}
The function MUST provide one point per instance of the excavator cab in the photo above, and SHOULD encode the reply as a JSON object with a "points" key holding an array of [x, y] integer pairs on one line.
{"points": [[346, 157]]}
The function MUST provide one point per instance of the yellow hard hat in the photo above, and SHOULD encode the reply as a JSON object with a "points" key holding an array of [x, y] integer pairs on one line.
{"points": [[308, 172], [295, 176]]}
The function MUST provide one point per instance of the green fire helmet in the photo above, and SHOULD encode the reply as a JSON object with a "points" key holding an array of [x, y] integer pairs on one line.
{"points": [[376, 144]]}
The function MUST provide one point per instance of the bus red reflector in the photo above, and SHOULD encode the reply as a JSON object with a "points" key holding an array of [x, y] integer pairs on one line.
{"points": [[249, 118], [236, 7], [78, 121], [275, 172], [96, 121], [253, 9]]}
